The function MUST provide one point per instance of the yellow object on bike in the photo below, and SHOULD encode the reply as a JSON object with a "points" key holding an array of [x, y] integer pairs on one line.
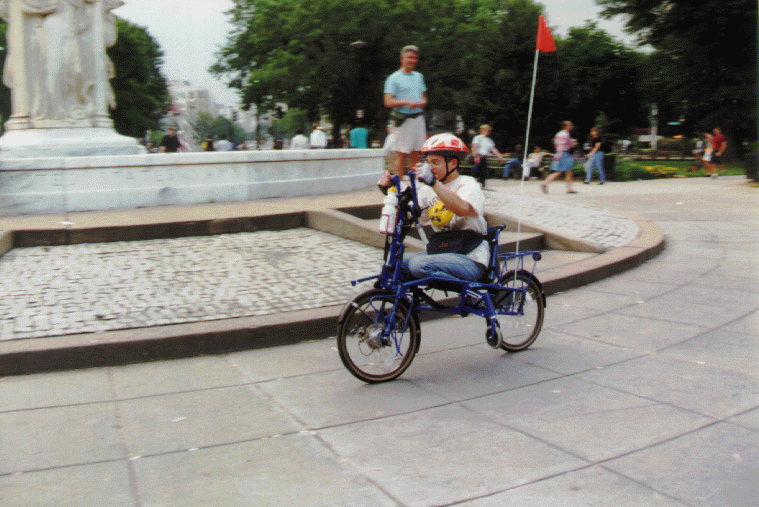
{"points": [[440, 215]]}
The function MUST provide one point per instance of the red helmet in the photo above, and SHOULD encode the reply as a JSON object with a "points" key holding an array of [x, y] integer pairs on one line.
{"points": [[446, 145]]}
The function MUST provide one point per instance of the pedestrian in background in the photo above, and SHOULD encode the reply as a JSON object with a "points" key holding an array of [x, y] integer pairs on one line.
{"points": [[482, 147], [562, 158], [208, 143], [170, 142], [359, 136], [223, 144], [595, 157], [719, 144], [318, 139], [405, 93], [299, 140]]}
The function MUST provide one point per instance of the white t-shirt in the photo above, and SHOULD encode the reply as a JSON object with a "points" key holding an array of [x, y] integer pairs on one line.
{"points": [[223, 145], [535, 158], [484, 144], [299, 142], [318, 139], [470, 191]]}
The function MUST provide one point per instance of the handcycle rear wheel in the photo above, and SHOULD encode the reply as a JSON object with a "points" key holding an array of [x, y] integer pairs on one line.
{"points": [[520, 331], [364, 351]]}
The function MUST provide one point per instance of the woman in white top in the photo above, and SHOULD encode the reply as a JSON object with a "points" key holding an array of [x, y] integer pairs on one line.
{"points": [[482, 146]]}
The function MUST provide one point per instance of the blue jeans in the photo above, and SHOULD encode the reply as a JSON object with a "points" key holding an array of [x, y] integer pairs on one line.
{"points": [[512, 165], [445, 265], [596, 162]]}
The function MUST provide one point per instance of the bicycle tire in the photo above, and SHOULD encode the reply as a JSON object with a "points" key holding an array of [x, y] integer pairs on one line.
{"points": [[521, 331], [359, 337]]}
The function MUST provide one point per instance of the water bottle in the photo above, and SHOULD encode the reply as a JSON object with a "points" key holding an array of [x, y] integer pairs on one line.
{"points": [[389, 213]]}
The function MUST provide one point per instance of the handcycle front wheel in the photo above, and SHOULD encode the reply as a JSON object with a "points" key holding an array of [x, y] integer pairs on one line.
{"points": [[364, 351], [521, 329]]}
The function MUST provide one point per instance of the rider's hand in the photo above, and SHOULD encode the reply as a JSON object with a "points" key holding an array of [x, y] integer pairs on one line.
{"points": [[385, 182], [424, 174]]}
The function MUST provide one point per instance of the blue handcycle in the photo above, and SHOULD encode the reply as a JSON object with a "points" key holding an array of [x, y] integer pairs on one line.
{"points": [[379, 330]]}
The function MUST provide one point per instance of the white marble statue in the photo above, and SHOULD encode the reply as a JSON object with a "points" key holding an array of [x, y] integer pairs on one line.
{"points": [[57, 67]]}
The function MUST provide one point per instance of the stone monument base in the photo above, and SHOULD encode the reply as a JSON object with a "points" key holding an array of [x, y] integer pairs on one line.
{"points": [[66, 142]]}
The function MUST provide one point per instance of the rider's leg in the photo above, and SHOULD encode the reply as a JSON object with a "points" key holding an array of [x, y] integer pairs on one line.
{"points": [[446, 265]]}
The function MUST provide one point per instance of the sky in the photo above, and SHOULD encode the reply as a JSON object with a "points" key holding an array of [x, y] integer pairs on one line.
{"points": [[190, 32]]}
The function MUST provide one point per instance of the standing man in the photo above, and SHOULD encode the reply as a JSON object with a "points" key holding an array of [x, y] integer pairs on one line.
{"points": [[562, 158], [406, 94], [317, 139], [482, 148], [170, 142]]}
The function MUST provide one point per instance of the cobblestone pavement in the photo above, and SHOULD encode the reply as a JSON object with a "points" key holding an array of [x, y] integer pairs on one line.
{"points": [[594, 225], [102, 287], [87, 288]]}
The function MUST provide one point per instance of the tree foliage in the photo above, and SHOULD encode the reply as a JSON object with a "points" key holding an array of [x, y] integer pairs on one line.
{"points": [[216, 126], [142, 96], [703, 69], [331, 57]]}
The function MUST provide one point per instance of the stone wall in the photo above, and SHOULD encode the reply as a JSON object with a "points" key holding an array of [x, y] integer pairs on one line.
{"points": [[68, 184]]}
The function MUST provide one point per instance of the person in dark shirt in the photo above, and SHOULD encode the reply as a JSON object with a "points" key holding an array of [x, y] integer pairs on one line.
{"points": [[170, 142]]}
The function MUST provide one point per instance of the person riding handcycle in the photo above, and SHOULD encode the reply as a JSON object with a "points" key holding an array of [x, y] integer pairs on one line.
{"points": [[455, 207], [379, 329]]}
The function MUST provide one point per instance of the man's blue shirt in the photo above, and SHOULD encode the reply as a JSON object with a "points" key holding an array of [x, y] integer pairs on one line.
{"points": [[404, 86]]}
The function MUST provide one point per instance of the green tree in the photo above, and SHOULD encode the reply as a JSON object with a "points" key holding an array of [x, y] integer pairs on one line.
{"points": [[703, 69], [216, 126], [142, 96], [331, 57], [601, 78]]}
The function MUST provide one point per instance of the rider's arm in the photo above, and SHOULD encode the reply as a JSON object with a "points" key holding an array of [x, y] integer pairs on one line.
{"points": [[453, 202]]}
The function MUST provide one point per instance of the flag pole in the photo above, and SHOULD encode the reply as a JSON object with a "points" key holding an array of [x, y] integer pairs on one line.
{"points": [[526, 145]]}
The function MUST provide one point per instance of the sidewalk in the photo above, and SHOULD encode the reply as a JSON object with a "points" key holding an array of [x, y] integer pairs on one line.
{"points": [[642, 389]]}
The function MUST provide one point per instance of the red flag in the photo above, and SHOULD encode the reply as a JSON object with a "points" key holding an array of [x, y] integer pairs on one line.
{"points": [[545, 41]]}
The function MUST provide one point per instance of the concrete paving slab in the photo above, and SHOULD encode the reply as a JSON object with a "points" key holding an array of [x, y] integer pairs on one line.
{"points": [[287, 470], [143, 380], [622, 330], [701, 388], [639, 289], [590, 421], [58, 437], [296, 360], [202, 418], [716, 466], [463, 374], [588, 486], [749, 419], [56, 390], [336, 397], [725, 349], [102, 484], [566, 354], [597, 300], [700, 313], [445, 455], [748, 324]]}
